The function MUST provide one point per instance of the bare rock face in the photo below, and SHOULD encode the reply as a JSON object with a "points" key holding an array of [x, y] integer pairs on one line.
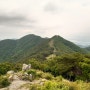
{"points": [[10, 72], [26, 67], [10, 75]]}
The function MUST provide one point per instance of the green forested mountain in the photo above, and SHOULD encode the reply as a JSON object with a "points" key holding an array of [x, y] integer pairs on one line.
{"points": [[88, 49], [35, 46], [63, 46], [7, 49]]}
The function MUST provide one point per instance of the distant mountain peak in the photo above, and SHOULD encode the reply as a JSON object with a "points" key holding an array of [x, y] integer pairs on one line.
{"points": [[31, 35], [57, 36]]}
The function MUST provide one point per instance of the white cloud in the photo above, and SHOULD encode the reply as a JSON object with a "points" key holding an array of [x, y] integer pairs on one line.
{"points": [[68, 18]]}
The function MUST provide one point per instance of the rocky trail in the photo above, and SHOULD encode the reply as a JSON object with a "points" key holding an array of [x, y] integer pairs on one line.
{"points": [[16, 84]]}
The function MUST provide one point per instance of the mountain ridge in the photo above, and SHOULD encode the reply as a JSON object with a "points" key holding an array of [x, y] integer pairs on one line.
{"points": [[35, 46]]}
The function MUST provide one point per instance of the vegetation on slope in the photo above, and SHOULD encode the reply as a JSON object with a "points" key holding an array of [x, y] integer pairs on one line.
{"points": [[34, 46], [70, 66], [46, 81], [7, 49]]}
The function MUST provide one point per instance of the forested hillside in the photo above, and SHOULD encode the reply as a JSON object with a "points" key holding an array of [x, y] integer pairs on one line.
{"points": [[32, 46]]}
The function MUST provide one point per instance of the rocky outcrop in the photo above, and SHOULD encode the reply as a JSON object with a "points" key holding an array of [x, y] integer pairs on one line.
{"points": [[26, 67]]}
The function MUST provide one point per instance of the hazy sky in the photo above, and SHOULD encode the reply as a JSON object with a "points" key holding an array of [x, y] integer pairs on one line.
{"points": [[67, 18]]}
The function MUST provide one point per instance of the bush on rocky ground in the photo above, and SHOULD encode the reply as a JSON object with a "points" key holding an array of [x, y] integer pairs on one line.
{"points": [[4, 82]]}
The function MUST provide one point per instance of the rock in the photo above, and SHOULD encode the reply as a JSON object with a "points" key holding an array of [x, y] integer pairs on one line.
{"points": [[10, 72], [11, 77], [26, 67], [25, 74], [15, 77], [30, 77]]}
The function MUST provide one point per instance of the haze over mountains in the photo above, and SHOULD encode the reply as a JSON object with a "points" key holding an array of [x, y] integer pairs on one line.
{"points": [[34, 46]]}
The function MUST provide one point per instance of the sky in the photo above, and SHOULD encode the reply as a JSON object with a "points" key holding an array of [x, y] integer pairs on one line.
{"points": [[67, 18]]}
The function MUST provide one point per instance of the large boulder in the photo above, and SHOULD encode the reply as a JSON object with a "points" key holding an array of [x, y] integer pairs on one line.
{"points": [[26, 67], [10, 72]]}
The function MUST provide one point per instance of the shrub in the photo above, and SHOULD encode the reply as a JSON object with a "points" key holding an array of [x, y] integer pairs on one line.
{"points": [[4, 82], [4, 67], [34, 87], [52, 85], [39, 74], [32, 71], [47, 76], [62, 85], [59, 78], [79, 81]]}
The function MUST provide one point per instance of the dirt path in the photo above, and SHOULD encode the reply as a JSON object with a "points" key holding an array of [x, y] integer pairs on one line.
{"points": [[16, 84]]}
